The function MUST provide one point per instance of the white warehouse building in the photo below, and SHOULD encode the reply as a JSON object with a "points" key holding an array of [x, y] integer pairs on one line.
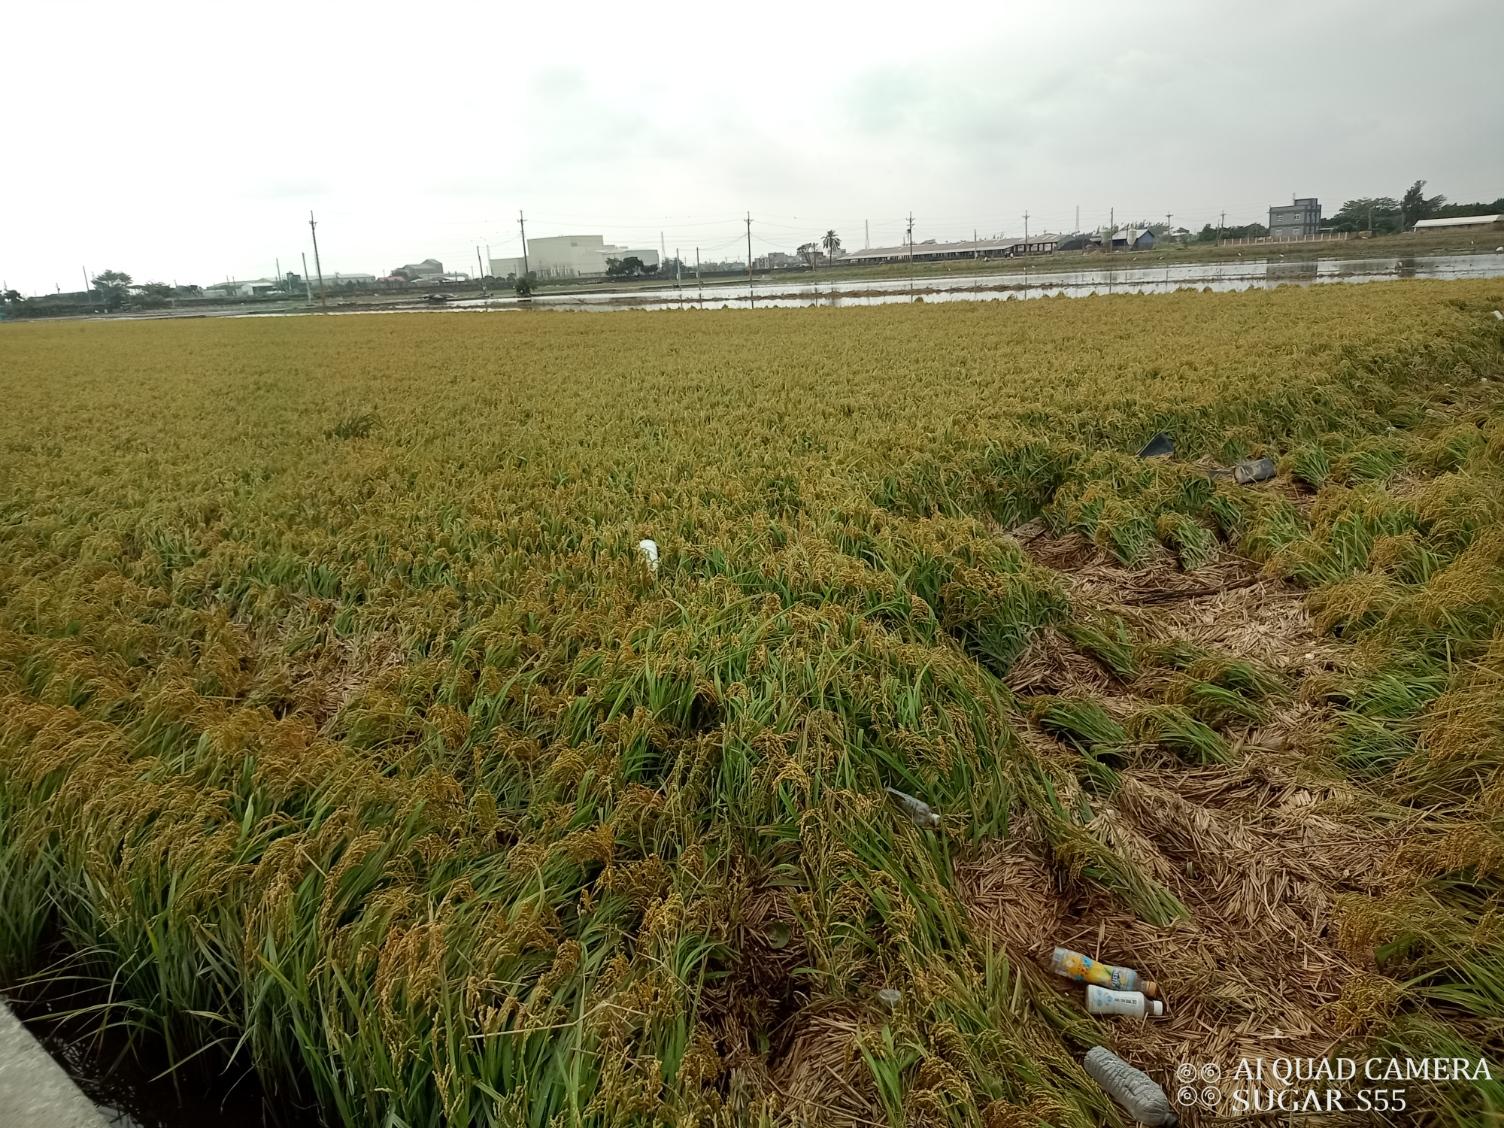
{"points": [[571, 256]]}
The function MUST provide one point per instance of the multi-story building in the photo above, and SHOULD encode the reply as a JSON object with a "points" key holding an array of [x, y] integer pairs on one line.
{"points": [[1298, 220], [571, 256]]}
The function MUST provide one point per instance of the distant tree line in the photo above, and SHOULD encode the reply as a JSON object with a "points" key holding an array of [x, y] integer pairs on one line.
{"points": [[1210, 233], [629, 267], [110, 291], [1384, 215]]}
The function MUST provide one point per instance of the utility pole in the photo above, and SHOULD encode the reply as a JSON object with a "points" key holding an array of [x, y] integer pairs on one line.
{"points": [[307, 282], [911, 254], [522, 226], [313, 227], [1078, 219], [1370, 221], [867, 234], [662, 247], [1168, 216], [1026, 232], [1221, 223], [1112, 226], [751, 294], [482, 275], [698, 284], [975, 253], [279, 273], [85, 271]]}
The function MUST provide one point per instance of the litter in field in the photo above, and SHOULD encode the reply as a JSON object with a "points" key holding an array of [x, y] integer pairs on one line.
{"points": [[1132, 1088], [1128, 1004], [1160, 446], [1259, 851], [649, 550], [1083, 969], [1253, 470], [917, 809]]}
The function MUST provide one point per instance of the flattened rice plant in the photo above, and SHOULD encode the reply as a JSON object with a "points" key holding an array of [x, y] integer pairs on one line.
{"points": [[360, 746]]}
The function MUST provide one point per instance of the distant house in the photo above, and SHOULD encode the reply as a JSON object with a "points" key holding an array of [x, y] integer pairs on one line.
{"points": [[1461, 222], [253, 288], [1126, 239], [420, 271], [1298, 220]]}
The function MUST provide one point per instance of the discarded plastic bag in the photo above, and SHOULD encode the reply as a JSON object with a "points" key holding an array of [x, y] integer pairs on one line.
{"points": [[1160, 446], [917, 809], [649, 550]]}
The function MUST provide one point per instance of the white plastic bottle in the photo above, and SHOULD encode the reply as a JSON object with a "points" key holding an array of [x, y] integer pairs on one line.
{"points": [[1133, 1004]]}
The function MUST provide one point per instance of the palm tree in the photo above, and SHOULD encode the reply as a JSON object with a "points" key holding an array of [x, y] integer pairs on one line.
{"points": [[832, 243]]}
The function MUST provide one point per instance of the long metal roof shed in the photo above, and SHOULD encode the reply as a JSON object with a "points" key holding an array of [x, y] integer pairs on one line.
{"points": [[966, 248], [1460, 221]]}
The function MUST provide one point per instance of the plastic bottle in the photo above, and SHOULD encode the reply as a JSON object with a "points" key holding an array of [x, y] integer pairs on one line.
{"points": [[1252, 470], [649, 550], [1084, 969], [1132, 1088], [1100, 1000]]}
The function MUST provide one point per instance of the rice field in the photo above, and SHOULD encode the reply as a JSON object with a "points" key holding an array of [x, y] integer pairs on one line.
{"points": [[346, 736]]}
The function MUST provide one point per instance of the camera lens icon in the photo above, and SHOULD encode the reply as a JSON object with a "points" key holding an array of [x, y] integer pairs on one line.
{"points": [[1211, 1097], [1186, 1072], [1211, 1072]]}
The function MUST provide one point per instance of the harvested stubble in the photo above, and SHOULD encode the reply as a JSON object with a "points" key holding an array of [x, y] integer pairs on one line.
{"points": [[345, 734]]}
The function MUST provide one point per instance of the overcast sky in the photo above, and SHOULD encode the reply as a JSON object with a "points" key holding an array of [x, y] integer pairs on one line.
{"points": [[188, 141]]}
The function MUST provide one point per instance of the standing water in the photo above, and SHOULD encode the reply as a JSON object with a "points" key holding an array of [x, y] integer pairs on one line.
{"points": [[1239, 274]]}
